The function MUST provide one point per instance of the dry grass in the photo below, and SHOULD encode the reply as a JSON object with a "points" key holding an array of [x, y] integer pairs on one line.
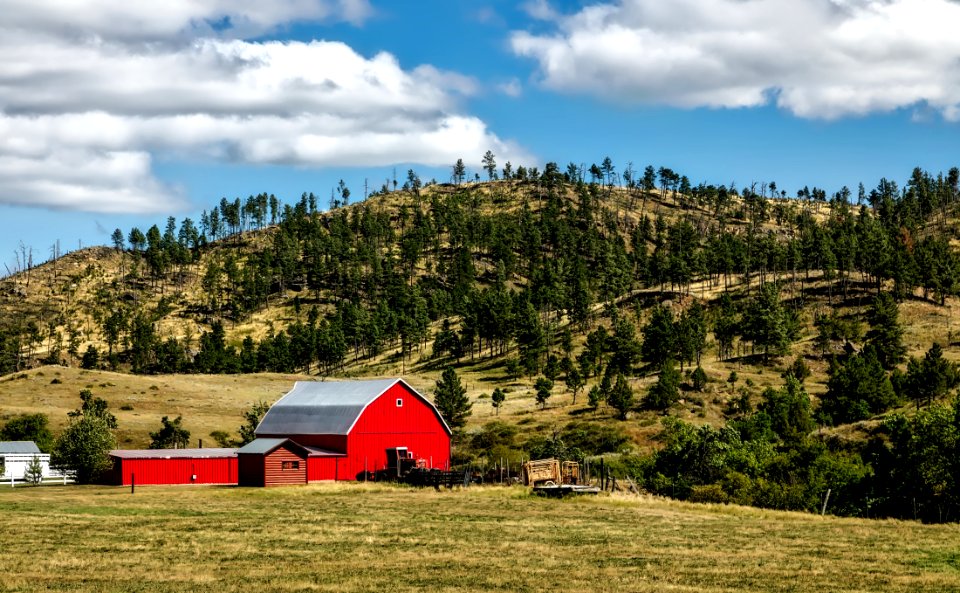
{"points": [[206, 402], [353, 537]]}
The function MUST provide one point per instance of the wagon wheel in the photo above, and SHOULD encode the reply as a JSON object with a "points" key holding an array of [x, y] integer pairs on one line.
{"points": [[549, 483]]}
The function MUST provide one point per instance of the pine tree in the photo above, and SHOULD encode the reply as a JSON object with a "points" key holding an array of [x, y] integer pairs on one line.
{"points": [[497, 399], [766, 323], [659, 336], [621, 397], [543, 387], [886, 333], [450, 397], [575, 382], [666, 391], [34, 471]]}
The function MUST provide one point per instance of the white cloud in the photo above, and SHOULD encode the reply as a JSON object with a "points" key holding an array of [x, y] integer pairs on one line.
{"points": [[511, 88], [540, 10], [132, 20], [82, 117], [817, 58]]}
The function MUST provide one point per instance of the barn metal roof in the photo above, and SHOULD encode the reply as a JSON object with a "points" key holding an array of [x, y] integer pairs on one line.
{"points": [[173, 453], [326, 407], [18, 447]]}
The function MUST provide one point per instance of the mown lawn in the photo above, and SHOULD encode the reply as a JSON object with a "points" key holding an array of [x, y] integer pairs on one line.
{"points": [[354, 537]]}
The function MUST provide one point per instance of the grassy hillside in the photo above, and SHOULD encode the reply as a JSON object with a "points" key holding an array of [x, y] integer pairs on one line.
{"points": [[69, 299], [367, 538], [510, 282]]}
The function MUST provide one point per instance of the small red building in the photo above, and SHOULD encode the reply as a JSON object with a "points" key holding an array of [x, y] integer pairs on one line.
{"points": [[344, 428], [174, 466]]}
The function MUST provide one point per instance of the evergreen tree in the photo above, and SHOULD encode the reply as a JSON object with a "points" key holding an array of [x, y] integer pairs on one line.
{"points": [[856, 390], [621, 397], [788, 410], [34, 471], [666, 391], [595, 397], [543, 386], [930, 377], [886, 334], [450, 397], [497, 399], [699, 379], [766, 323], [575, 382], [659, 337]]}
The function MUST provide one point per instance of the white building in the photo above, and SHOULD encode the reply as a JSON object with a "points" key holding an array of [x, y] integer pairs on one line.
{"points": [[15, 456]]}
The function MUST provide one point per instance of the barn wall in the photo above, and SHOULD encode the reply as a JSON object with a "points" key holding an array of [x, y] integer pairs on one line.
{"points": [[250, 468], [383, 425], [330, 442], [176, 471], [325, 468], [275, 475]]}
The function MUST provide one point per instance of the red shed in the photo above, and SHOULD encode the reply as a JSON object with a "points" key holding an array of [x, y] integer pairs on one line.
{"points": [[346, 427], [174, 466]]}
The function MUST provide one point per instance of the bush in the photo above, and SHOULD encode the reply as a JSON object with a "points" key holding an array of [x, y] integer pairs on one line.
{"points": [[709, 493], [593, 438]]}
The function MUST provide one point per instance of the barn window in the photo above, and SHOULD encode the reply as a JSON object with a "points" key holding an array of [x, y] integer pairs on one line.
{"points": [[399, 403], [290, 465]]}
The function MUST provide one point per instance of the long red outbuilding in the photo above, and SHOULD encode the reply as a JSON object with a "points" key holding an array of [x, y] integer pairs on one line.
{"points": [[320, 430], [174, 466]]}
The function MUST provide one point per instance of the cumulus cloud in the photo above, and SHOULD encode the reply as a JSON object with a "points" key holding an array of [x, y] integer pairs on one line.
{"points": [[821, 59], [123, 19], [83, 117]]}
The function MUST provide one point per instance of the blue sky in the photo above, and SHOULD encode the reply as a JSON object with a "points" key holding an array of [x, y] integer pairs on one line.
{"points": [[112, 116]]}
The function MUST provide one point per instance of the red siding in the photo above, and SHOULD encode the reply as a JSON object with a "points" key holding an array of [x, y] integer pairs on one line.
{"points": [[273, 472], [331, 442], [325, 468], [383, 424], [175, 471]]}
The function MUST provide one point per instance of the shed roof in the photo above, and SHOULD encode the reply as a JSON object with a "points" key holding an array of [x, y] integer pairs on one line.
{"points": [[263, 446], [328, 407], [19, 447], [208, 453]]}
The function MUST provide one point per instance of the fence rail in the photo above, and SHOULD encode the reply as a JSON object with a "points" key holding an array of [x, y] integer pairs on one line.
{"points": [[13, 481]]}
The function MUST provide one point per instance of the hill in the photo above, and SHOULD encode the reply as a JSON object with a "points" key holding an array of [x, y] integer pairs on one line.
{"points": [[511, 282]]}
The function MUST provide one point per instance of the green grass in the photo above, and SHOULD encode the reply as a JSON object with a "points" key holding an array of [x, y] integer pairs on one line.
{"points": [[354, 537]]}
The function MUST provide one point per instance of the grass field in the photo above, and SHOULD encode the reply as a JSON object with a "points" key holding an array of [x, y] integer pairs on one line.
{"points": [[355, 537]]}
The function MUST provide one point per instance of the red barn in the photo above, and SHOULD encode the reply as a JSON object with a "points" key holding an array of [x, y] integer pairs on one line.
{"points": [[344, 428], [174, 466]]}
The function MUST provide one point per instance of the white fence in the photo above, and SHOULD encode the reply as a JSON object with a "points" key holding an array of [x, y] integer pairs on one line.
{"points": [[13, 482], [15, 469]]}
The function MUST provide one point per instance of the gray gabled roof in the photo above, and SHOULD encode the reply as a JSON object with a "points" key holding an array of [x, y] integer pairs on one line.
{"points": [[265, 445], [327, 407], [261, 446], [26, 447]]}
